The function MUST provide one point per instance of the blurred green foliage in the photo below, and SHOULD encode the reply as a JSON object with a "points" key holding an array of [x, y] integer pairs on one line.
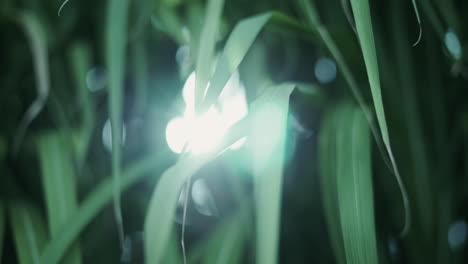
{"points": [[381, 146]]}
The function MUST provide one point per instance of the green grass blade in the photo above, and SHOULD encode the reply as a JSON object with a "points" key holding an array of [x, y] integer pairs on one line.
{"points": [[237, 45], [267, 142], [115, 46], [37, 40], [61, 7], [141, 72], [160, 216], [416, 11], [58, 179], [166, 20], [345, 5], [29, 231], [310, 11], [206, 48], [328, 183], [354, 182], [366, 36], [224, 243], [2, 226], [366, 39], [226, 247], [80, 59], [421, 169], [230, 250], [94, 203], [173, 254]]}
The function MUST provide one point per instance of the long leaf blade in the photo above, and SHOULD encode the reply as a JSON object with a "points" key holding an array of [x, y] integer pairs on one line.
{"points": [[328, 182], [160, 216], [365, 32], [29, 231], [116, 38], [355, 191], [94, 203], [80, 60], [237, 45], [366, 39], [58, 179], [267, 141], [206, 47]]}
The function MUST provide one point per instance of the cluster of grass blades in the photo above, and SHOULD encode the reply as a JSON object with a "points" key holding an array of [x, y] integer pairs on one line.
{"points": [[378, 117]]}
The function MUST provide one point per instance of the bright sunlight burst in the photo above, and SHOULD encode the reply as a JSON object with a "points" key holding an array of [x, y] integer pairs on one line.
{"points": [[203, 133]]}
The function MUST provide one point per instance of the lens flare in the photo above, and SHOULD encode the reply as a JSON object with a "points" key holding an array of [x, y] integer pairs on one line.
{"points": [[203, 133]]}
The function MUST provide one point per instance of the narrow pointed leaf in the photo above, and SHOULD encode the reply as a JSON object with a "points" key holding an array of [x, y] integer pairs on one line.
{"points": [[365, 32], [239, 43], [366, 38], [206, 47]]}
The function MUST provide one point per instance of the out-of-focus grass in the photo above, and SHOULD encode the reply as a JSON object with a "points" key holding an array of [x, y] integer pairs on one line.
{"points": [[80, 60], [205, 54], [267, 142], [418, 113], [35, 33], [59, 183], [29, 231], [237, 45], [94, 203], [115, 51], [328, 182]]}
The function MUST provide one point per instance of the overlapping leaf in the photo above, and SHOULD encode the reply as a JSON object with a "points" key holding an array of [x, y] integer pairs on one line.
{"points": [[347, 188], [115, 46], [29, 231], [58, 179]]}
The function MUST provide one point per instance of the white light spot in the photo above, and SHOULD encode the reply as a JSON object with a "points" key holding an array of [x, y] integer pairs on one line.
{"points": [[107, 135], [203, 199], [204, 132], [96, 79], [325, 70], [176, 134], [453, 44], [457, 234]]}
